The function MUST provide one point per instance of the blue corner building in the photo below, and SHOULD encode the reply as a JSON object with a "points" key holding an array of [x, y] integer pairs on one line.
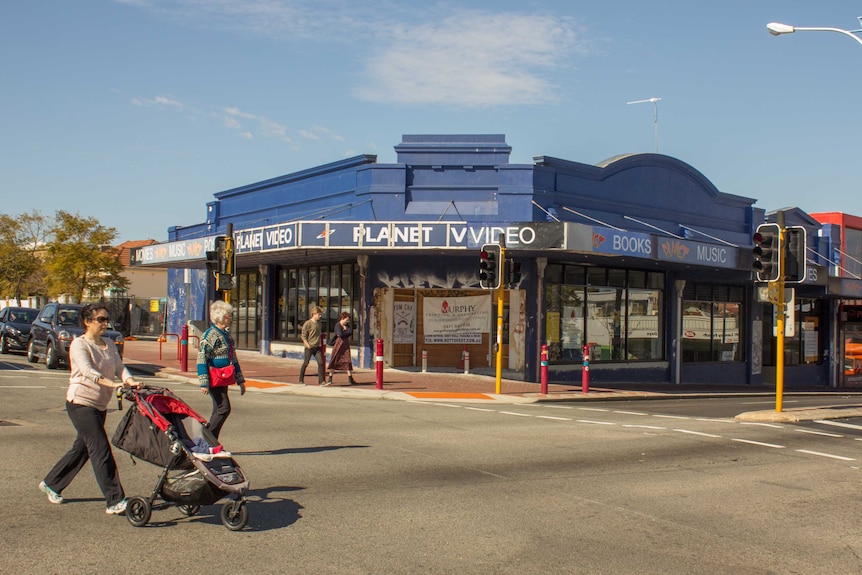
{"points": [[638, 263]]}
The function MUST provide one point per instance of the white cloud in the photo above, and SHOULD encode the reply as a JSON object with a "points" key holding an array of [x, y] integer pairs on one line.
{"points": [[158, 101], [471, 59], [319, 133], [432, 54], [238, 113]]}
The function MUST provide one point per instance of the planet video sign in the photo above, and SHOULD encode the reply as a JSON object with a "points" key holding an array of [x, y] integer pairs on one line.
{"points": [[540, 236]]}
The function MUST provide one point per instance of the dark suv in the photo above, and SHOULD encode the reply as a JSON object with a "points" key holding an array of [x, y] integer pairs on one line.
{"points": [[53, 331], [15, 327]]}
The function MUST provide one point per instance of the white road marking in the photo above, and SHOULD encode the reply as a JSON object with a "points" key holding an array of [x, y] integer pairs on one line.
{"points": [[838, 424], [630, 413], [672, 416], [697, 433], [23, 387], [826, 455], [593, 409], [812, 432], [643, 426], [479, 409], [595, 422], [554, 418], [716, 420], [758, 443], [518, 414], [560, 406], [773, 425]]}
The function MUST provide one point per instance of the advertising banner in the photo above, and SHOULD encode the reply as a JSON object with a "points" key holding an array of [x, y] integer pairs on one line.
{"points": [[456, 319]]}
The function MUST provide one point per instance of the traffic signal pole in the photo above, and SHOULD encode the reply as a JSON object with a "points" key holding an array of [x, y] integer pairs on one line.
{"points": [[780, 312], [499, 346], [229, 260]]}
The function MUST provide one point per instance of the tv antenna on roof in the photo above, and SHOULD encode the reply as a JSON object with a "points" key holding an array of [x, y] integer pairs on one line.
{"points": [[655, 116]]}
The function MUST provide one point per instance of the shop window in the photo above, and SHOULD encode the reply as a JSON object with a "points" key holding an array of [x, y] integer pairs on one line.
{"points": [[611, 310], [805, 347], [712, 322], [300, 289]]}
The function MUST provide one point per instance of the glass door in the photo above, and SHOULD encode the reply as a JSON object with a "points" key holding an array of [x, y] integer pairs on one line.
{"points": [[246, 300]]}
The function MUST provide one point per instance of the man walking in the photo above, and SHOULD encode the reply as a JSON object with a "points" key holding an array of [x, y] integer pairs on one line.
{"points": [[311, 339]]}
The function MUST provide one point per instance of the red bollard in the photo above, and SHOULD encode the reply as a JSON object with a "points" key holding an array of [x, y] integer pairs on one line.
{"points": [[323, 353], [379, 360], [184, 348], [585, 374], [544, 369]]}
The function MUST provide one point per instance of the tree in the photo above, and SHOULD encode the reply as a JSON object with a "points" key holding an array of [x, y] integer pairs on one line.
{"points": [[79, 258], [21, 240]]}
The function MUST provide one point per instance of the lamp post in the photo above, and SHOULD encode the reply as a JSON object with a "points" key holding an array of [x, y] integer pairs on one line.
{"points": [[655, 116], [777, 29]]}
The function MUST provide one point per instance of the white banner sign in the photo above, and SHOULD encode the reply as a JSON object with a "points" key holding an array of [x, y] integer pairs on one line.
{"points": [[456, 319], [403, 331]]}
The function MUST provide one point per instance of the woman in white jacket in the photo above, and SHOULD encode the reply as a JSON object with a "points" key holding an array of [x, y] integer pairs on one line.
{"points": [[97, 371]]}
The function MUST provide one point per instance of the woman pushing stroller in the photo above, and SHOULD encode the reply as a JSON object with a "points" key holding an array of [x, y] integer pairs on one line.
{"points": [[97, 371]]}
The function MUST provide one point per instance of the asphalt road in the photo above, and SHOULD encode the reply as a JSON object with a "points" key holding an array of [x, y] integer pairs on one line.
{"points": [[378, 487]]}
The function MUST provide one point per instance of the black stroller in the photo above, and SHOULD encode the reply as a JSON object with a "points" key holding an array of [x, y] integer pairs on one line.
{"points": [[162, 429]]}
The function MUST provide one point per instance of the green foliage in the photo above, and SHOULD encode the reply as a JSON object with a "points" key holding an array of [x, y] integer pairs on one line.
{"points": [[22, 239], [80, 259]]}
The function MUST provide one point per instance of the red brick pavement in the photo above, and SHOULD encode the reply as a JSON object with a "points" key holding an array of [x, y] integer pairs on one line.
{"points": [[266, 372]]}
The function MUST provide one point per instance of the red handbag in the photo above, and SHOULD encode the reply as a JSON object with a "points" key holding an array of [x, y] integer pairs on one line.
{"points": [[221, 376]]}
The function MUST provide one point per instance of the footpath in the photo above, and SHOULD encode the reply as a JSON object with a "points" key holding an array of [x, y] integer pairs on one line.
{"points": [[273, 374]]}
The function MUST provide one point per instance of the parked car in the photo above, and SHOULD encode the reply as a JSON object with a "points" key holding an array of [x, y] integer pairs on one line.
{"points": [[53, 331], [15, 327]]}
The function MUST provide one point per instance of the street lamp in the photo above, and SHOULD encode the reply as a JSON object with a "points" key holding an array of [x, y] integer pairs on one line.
{"points": [[777, 29], [655, 116]]}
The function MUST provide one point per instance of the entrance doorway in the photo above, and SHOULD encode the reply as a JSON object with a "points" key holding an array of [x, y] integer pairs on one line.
{"points": [[246, 323]]}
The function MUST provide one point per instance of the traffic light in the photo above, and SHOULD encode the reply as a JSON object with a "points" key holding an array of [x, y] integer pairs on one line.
{"points": [[220, 263], [228, 255], [215, 258], [514, 273], [490, 266], [212, 262], [767, 252], [223, 282], [795, 260]]}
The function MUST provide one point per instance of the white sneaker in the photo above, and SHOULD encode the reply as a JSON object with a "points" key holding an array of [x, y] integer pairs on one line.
{"points": [[53, 496], [117, 508]]}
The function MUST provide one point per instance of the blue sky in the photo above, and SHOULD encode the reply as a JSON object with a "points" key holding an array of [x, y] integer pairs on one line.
{"points": [[138, 111]]}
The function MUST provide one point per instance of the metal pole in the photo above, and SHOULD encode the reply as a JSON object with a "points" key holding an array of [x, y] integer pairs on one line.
{"points": [[500, 294], [780, 318]]}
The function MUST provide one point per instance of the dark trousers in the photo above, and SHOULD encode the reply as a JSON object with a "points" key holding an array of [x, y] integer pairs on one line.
{"points": [[221, 409], [318, 356], [91, 444]]}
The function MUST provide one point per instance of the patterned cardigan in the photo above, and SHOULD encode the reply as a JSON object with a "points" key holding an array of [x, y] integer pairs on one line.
{"points": [[217, 350]]}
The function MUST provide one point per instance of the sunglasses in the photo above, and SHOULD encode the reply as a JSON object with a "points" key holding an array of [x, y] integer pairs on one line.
{"points": [[101, 319]]}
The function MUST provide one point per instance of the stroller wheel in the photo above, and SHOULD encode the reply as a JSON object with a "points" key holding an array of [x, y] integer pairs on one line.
{"points": [[189, 510], [138, 511], [234, 515]]}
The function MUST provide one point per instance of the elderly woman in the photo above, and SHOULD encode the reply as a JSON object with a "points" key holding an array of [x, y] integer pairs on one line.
{"points": [[97, 371], [217, 352]]}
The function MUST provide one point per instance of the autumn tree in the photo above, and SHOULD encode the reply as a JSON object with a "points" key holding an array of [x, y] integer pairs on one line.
{"points": [[22, 238], [79, 257]]}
